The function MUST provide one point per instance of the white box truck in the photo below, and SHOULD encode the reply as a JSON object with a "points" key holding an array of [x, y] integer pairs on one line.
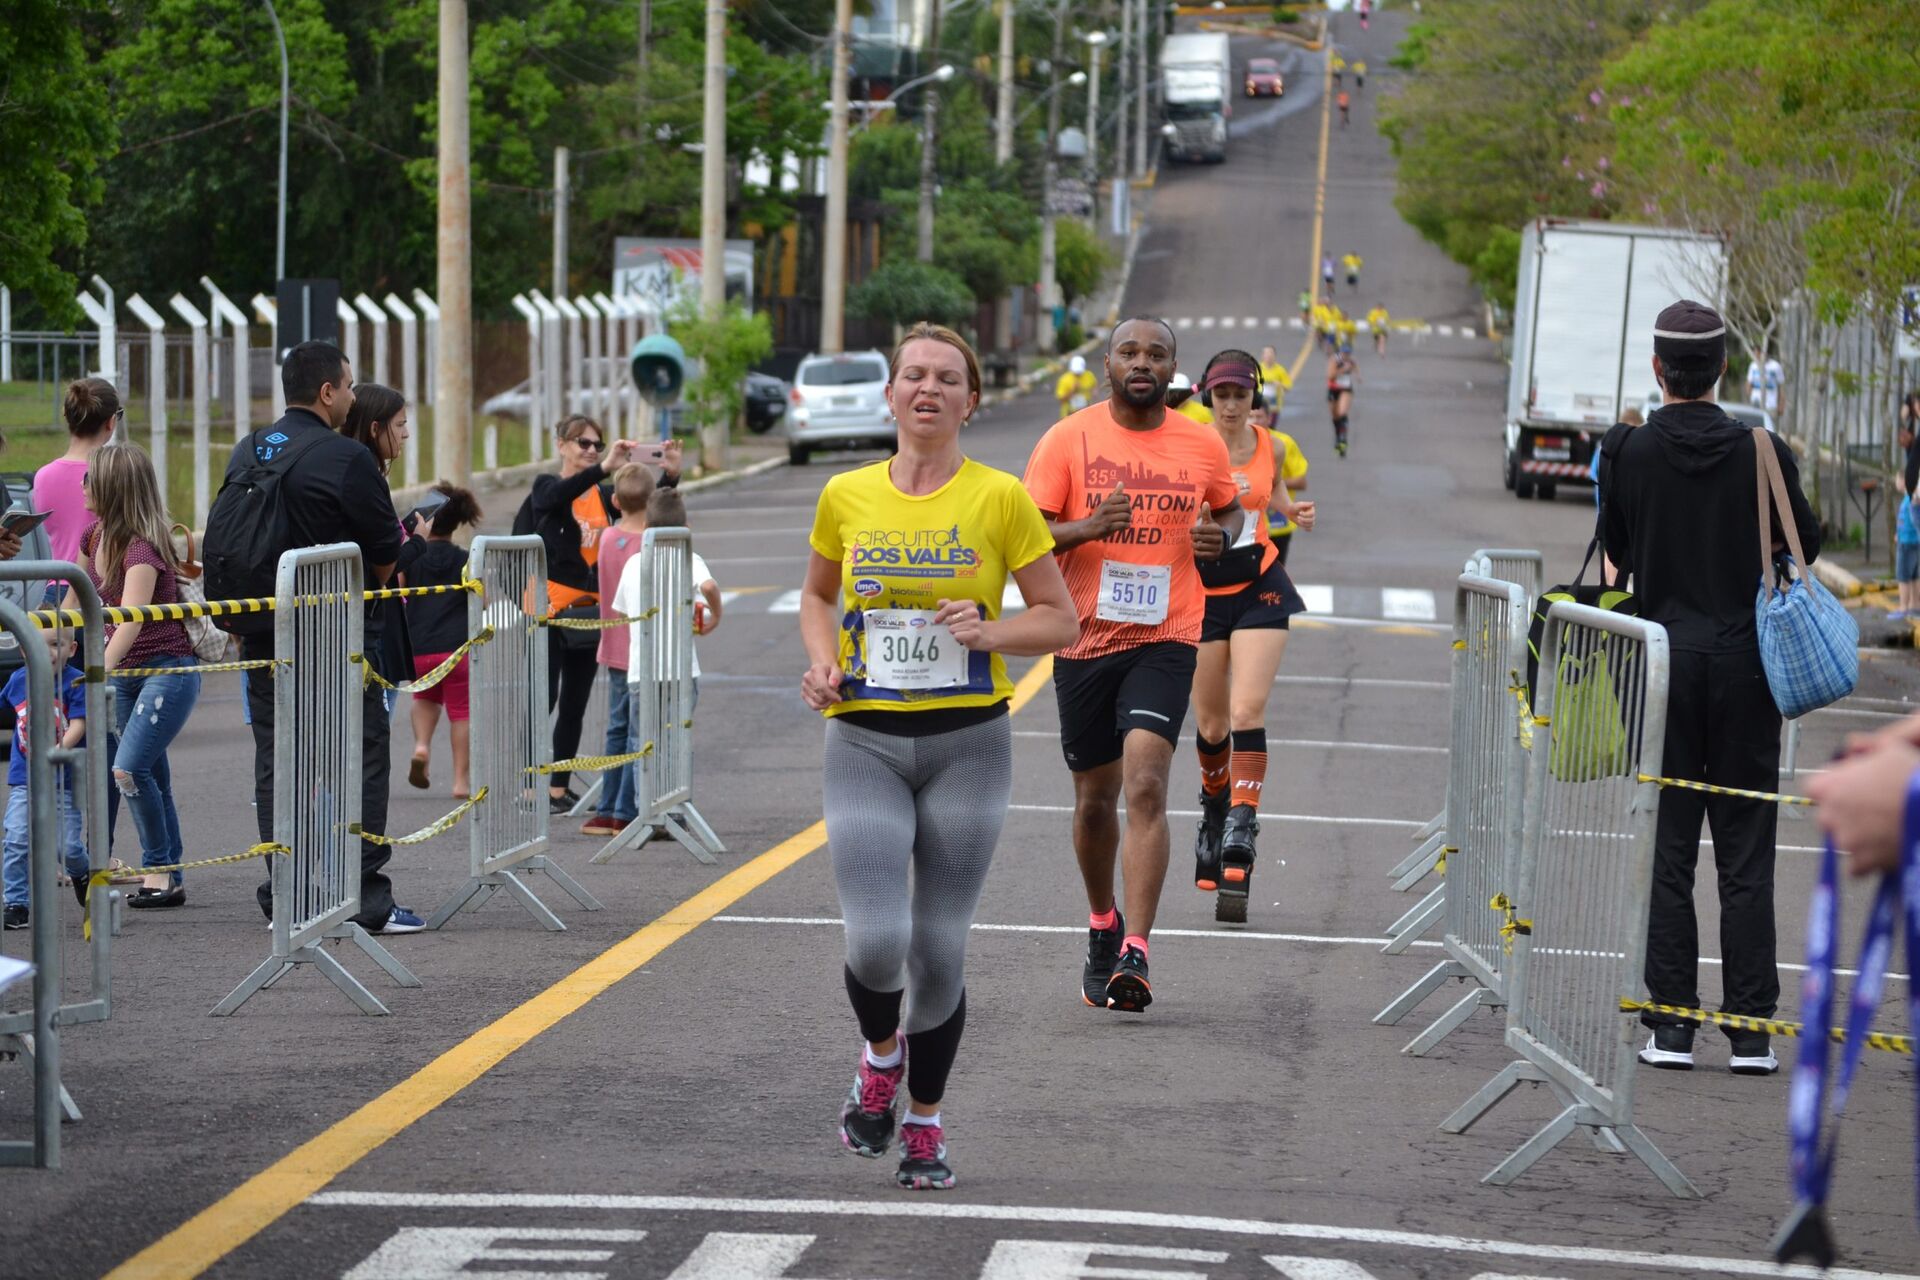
{"points": [[1196, 79], [1583, 336]]}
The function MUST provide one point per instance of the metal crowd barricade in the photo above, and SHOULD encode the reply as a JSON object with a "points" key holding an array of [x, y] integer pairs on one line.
{"points": [[42, 867], [1486, 789], [89, 765], [1578, 916], [510, 742], [318, 630], [663, 706], [1503, 564]]}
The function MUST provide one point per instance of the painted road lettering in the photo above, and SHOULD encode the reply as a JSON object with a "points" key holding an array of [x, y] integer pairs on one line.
{"points": [[434, 1253]]}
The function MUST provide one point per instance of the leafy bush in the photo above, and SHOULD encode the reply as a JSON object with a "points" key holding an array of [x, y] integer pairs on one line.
{"points": [[902, 291]]}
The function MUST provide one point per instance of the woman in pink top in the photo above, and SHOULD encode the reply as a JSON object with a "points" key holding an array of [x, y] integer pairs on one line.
{"points": [[92, 410]]}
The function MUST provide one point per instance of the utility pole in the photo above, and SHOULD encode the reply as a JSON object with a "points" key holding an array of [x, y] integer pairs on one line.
{"points": [[1141, 115], [453, 379], [929, 136], [1122, 63], [713, 207], [833, 283], [280, 239], [562, 197], [1049, 292], [1003, 124], [646, 37], [1096, 41]]}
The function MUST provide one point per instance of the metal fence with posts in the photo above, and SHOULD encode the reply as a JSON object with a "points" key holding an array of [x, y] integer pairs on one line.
{"points": [[1486, 795], [510, 743], [318, 625], [663, 703], [1577, 915]]}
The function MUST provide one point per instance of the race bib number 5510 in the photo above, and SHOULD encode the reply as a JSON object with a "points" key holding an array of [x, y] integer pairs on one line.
{"points": [[906, 649], [1134, 592]]}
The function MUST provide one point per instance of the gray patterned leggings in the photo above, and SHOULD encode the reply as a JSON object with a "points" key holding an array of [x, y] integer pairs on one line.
{"points": [[911, 825]]}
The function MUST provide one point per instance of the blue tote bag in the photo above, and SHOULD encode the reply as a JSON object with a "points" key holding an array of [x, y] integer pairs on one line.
{"points": [[1809, 643]]}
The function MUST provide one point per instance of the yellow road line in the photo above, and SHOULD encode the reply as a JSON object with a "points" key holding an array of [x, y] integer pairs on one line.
{"points": [[256, 1204], [1319, 204]]}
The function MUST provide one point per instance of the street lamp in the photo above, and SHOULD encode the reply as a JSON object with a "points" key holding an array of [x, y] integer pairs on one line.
{"points": [[942, 73]]}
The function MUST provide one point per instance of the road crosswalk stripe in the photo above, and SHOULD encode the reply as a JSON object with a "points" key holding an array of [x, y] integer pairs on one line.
{"points": [[1406, 606], [1227, 322], [786, 602]]}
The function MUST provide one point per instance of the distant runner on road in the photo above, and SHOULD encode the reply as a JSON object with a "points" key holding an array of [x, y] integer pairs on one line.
{"points": [[1377, 323], [1342, 372], [1242, 639], [1075, 387], [1275, 382], [901, 620], [1131, 493], [1344, 102], [1293, 474], [1326, 273], [1352, 262]]}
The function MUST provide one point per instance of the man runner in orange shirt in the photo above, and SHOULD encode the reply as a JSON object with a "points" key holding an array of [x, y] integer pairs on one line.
{"points": [[1131, 493]]}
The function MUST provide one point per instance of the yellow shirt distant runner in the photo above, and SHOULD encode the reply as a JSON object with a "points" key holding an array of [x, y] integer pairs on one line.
{"points": [[1377, 319], [898, 552], [1293, 465], [1074, 391]]}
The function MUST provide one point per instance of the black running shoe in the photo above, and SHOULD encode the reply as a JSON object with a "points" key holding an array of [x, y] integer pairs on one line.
{"points": [[1103, 952], [866, 1118], [923, 1159], [1128, 989], [1206, 842], [1236, 864]]}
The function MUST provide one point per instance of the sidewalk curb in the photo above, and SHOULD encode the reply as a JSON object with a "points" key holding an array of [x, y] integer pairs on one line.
{"points": [[1837, 580]]}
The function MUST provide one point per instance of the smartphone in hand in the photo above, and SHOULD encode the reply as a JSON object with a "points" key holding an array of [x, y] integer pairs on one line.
{"points": [[20, 522]]}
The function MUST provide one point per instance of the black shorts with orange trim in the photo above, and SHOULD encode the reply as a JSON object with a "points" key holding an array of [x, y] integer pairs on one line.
{"points": [[1269, 601]]}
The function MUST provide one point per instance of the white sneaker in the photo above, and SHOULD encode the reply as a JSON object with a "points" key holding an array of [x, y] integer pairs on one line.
{"points": [[1674, 1058], [1754, 1064]]}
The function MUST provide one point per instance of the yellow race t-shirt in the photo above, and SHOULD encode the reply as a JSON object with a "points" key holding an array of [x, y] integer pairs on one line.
{"points": [[899, 552], [1293, 465]]}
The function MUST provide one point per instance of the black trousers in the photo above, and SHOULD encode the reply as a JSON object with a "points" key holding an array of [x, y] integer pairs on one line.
{"points": [[573, 676], [376, 891], [1723, 728]]}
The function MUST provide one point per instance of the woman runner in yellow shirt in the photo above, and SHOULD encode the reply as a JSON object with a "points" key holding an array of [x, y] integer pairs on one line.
{"points": [[901, 620]]}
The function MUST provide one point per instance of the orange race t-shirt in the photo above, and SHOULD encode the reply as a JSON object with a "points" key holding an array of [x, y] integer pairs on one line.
{"points": [[1138, 587], [1255, 483], [590, 513]]}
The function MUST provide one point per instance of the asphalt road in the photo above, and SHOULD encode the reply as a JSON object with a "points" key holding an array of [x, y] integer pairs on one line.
{"points": [[663, 1103]]}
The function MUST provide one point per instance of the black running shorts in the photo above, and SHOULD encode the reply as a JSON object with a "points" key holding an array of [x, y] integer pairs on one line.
{"points": [[1268, 601], [1103, 699]]}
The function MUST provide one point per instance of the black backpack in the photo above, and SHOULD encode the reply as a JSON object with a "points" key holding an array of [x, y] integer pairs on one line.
{"points": [[1611, 596], [247, 530]]}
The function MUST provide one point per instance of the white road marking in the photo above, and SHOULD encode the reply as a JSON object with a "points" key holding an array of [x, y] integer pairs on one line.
{"points": [[1206, 322], [1226, 322], [1318, 1269], [742, 1255], [1251, 322], [1274, 322], [1311, 620], [1404, 603], [1466, 333], [1184, 322], [1306, 939], [1376, 682], [1073, 1259], [1314, 743], [439, 1253], [1445, 331], [728, 597], [954, 1211], [1315, 819], [1319, 598], [785, 602], [1295, 322]]}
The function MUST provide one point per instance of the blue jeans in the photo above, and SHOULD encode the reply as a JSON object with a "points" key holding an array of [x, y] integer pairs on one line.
{"points": [[619, 788], [73, 842], [151, 711]]}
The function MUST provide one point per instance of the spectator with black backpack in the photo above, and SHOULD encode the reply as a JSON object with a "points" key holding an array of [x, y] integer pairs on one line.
{"points": [[299, 483]]}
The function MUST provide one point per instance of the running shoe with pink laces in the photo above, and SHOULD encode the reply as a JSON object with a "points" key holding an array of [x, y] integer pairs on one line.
{"points": [[923, 1159], [866, 1118]]}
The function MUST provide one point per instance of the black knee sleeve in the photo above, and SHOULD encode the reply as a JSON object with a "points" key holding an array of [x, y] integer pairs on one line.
{"points": [[878, 1011], [930, 1056], [1209, 748], [1250, 739]]}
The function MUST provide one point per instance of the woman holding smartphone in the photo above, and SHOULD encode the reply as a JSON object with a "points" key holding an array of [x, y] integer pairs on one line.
{"points": [[569, 509]]}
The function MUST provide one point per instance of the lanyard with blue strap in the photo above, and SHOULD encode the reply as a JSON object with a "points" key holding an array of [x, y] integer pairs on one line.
{"points": [[1806, 1233]]}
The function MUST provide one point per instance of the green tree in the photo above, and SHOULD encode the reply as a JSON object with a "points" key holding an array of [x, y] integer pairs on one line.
{"points": [[902, 291], [724, 348], [1080, 258], [54, 131]]}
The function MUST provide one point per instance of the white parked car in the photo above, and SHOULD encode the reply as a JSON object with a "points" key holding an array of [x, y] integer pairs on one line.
{"points": [[839, 402], [1746, 415]]}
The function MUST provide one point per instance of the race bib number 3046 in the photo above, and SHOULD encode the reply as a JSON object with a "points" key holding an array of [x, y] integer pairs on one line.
{"points": [[907, 650], [1134, 592]]}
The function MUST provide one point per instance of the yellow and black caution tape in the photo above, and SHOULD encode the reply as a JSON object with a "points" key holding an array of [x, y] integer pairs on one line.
{"points": [[229, 608], [428, 832], [402, 593], [588, 764], [1440, 867], [106, 874], [1772, 1026], [595, 624], [1519, 692], [1459, 644], [1687, 785], [205, 669], [431, 678], [1515, 925]]}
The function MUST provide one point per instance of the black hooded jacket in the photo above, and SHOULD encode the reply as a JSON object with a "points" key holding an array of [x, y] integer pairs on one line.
{"points": [[1678, 512]]}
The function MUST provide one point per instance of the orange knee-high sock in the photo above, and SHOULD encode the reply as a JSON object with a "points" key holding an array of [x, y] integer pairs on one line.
{"points": [[1248, 765], [1215, 765]]}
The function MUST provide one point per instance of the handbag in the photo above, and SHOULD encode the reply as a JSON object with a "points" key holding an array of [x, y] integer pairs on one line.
{"points": [[1589, 730], [1613, 597], [1809, 643], [210, 644]]}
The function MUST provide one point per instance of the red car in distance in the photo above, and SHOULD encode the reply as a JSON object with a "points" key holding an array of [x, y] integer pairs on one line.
{"points": [[1263, 79]]}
